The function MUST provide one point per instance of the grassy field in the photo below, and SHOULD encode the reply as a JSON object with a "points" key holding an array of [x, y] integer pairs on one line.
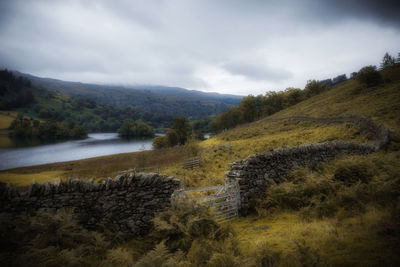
{"points": [[92, 168]]}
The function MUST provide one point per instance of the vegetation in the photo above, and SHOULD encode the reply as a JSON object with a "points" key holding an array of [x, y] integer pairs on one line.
{"points": [[65, 242], [379, 102], [15, 92], [48, 105], [340, 213], [369, 76], [135, 129], [387, 61], [255, 107], [157, 105], [46, 131], [177, 134]]}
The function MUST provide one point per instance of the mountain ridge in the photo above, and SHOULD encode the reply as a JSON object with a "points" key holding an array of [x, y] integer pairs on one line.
{"points": [[158, 90]]}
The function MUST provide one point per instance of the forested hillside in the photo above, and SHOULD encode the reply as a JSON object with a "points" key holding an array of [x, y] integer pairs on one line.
{"points": [[35, 101], [155, 103]]}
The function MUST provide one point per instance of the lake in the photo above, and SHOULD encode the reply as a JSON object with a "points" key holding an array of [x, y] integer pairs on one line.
{"points": [[97, 144]]}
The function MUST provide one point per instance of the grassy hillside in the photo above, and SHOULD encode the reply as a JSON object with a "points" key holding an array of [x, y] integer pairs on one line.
{"points": [[331, 223], [381, 103]]}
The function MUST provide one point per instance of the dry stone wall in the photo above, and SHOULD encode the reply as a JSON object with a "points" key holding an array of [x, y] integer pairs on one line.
{"points": [[125, 204], [255, 173]]}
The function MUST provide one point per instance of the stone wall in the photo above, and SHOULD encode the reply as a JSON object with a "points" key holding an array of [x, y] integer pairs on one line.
{"points": [[255, 173], [125, 204]]}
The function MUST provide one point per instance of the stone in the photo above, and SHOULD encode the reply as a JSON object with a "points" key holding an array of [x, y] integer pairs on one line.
{"points": [[107, 202]]}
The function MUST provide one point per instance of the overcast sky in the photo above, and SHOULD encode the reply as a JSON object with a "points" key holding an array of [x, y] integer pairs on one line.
{"points": [[227, 46]]}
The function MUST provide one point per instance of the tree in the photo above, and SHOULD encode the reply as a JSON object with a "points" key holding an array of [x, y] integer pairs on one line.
{"points": [[292, 96], [160, 142], [135, 129], [339, 79], [181, 126], [313, 87], [248, 108], [387, 61], [172, 137], [398, 57], [369, 76]]}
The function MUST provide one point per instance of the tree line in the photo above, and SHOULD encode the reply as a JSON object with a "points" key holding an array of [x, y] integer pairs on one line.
{"points": [[15, 91], [134, 129], [25, 128], [255, 107]]}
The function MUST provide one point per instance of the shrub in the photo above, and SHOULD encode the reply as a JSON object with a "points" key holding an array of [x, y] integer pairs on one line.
{"points": [[155, 257], [369, 76], [192, 148], [160, 142], [48, 239], [352, 173], [184, 222], [296, 194], [314, 87]]}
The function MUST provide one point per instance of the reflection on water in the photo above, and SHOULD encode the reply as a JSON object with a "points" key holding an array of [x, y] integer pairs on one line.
{"points": [[97, 144]]}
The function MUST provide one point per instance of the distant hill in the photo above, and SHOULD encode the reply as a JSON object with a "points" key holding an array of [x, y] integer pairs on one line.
{"points": [[155, 100]]}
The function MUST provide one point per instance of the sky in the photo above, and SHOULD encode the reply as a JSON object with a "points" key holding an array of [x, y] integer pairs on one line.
{"points": [[226, 46]]}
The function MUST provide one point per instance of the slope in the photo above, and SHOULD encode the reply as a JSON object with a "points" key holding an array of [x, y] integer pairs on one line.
{"points": [[381, 103], [154, 100]]}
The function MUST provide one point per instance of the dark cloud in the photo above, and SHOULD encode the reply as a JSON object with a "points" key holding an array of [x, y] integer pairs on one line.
{"points": [[226, 45], [383, 11]]}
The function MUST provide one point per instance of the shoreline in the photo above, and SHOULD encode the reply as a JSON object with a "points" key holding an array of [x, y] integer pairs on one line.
{"points": [[94, 167]]}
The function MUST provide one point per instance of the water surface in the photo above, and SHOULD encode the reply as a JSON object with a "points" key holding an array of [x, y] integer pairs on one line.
{"points": [[97, 144]]}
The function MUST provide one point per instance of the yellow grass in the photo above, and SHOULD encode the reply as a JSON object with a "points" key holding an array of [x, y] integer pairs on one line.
{"points": [[24, 179], [6, 117], [348, 242], [99, 167], [258, 137], [381, 103]]}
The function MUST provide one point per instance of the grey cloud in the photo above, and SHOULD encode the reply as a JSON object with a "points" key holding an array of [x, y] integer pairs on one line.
{"points": [[384, 11], [256, 71], [224, 45]]}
